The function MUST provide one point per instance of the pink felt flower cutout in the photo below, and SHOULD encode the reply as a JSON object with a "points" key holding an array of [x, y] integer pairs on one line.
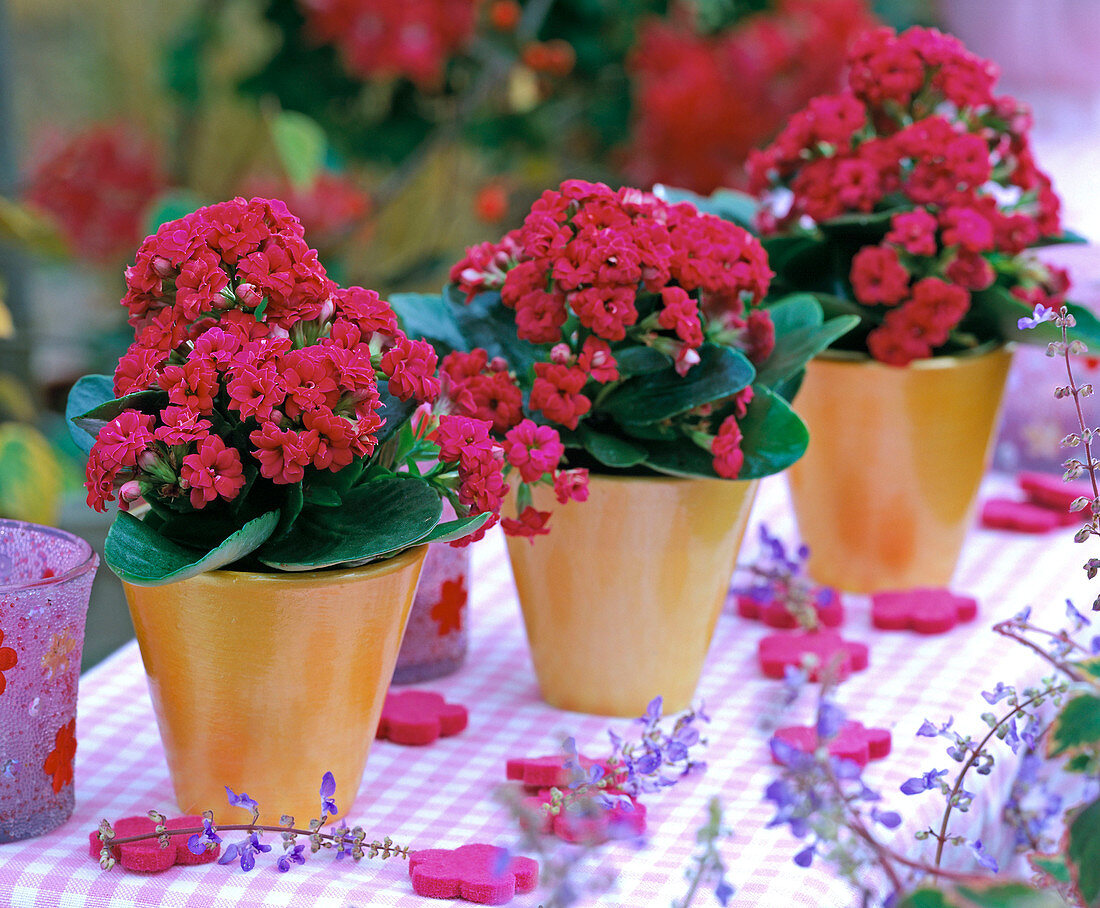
{"points": [[774, 613], [548, 772], [926, 611], [822, 648], [147, 856], [853, 742], [418, 717], [478, 873], [590, 822]]}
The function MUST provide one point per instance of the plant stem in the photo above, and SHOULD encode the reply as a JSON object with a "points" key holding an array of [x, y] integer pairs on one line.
{"points": [[247, 827], [975, 752], [1008, 628]]}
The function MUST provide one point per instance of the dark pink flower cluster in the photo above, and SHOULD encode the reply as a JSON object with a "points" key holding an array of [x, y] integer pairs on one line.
{"points": [[278, 382], [919, 131], [703, 103], [414, 38], [96, 187], [593, 269]]}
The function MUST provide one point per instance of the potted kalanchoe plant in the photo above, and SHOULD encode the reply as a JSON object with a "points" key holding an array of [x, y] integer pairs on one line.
{"points": [[617, 345], [909, 200], [279, 465]]}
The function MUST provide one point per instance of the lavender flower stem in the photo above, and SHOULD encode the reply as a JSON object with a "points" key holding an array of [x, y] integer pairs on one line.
{"points": [[241, 827]]}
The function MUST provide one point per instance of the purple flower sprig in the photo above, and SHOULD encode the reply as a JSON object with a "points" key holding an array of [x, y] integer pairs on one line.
{"points": [[779, 576], [346, 842], [1020, 725], [658, 759]]}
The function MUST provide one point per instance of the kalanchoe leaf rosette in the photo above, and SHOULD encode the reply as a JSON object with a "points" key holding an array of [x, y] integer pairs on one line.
{"points": [[266, 418], [617, 333], [909, 199]]}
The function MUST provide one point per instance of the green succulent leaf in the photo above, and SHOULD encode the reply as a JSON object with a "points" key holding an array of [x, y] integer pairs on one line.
{"points": [[680, 458], [140, 555], [720, 373], [1083, 853], [800, 334], [89, 393], [640, 361], [427, 316], [301, 145], [1076, 726], [611, 450], [394, 414], [774, 435], [375, 519], [1053, 865], [97, 417], [486, 322], [450, 530], [993, 895]]}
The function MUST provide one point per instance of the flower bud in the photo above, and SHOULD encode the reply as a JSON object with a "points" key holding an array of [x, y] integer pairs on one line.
{"points": [[279, 331], [328, 309], [249, 296], [561, 354], [498, 364], [162, 266]]}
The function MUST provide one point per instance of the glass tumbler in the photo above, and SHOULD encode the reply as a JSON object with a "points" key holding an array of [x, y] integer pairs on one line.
{"points": [[45, 583]]}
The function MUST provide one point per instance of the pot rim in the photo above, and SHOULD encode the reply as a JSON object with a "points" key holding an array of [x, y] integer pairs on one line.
{"points": [[852, 358], [324, 576], [89, 562]]}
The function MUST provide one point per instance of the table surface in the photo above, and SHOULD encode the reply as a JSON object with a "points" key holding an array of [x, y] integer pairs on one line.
{"points": [[443, 795]]}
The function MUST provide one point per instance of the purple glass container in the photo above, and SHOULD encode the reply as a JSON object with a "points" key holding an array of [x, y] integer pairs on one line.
{"points": [[435, 638], [45, 582]]}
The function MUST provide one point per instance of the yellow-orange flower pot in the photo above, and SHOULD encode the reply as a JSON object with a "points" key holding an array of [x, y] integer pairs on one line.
{"points": [[621, 598], [886, 491], [264, 682]]}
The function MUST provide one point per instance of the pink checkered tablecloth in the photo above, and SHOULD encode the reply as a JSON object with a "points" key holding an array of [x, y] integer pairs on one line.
{"points": [[442, 796]]}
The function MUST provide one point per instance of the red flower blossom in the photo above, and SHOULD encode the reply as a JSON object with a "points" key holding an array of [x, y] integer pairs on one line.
{"points": [[531, 523], [726, 449], [411, 365], [878, 276], [571, 485], [556, 391], [213, 471], [59, 761], [533, 449]]}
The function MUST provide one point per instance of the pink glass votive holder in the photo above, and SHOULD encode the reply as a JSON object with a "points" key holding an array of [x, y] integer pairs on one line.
{"points": [[436, 636], [45, 583]]}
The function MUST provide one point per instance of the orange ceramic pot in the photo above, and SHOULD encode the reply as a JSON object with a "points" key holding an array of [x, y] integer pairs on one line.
{"points": [[621, 598], [264, 682], [886, 491]]}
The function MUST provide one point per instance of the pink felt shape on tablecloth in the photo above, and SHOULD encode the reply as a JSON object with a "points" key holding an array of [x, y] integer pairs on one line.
{"points": [[778, 651], [477, 873], [550, 771], [594, 823], [827, 604], [853, 742], [926, 611], [418, 717], [147, 856], [1020, 516], [1050, 491]]}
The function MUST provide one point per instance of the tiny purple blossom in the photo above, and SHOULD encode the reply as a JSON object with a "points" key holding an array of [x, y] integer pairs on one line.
{"points": [[328, 789], [805, 857], [998, 693], [294, 856], [888, 818], [723, 892], [923, 783], [830, 719], [244, 852], [1039, 315], [1079, 620], [198, 843], [240, 800], [983, 858]]}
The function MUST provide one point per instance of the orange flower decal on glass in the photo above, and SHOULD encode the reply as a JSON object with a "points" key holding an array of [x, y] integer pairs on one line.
{"points": [[447, 612], [59, 762], [56, 659], [7, 661]]}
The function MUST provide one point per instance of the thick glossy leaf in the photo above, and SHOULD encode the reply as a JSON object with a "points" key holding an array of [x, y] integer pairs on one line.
{"points": [[1076, 726], [1083, 852], [1053, 865], [1063, 238], [394, 413], [141, 556], [610, 450], [427, 316], [774, 436], [790, 313], [451, 530], [802, 263], [98, 416], [640, 360], [376, 519], [869, 227], [994, 313], [720, 373], [301, 145], [680, 458], [728, 204], [89, 392], [800, 346]]}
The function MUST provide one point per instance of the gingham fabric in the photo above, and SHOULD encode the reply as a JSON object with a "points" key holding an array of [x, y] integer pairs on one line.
{"points": [[442, 795]]}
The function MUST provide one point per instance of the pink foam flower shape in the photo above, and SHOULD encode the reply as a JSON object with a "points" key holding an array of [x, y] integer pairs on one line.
{"points": [[480, 873]]}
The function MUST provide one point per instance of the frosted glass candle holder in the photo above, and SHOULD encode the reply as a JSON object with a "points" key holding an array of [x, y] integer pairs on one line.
{"points": [[45, 582]]}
